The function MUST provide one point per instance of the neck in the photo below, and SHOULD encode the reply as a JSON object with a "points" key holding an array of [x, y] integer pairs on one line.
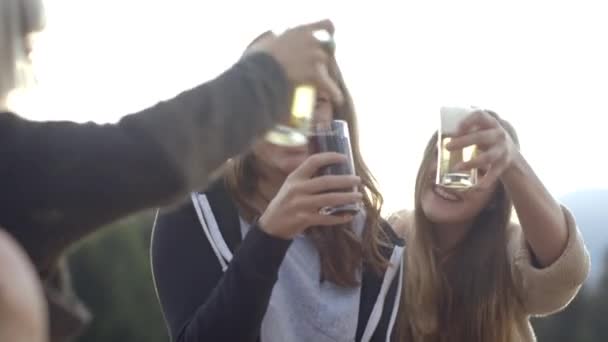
{"points": [[450, 235], [268, 188]]}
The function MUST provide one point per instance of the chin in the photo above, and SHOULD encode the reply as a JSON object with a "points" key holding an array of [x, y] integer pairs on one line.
{"points": [[287, 170], [289, 165], [440, 210], [437, 216]]}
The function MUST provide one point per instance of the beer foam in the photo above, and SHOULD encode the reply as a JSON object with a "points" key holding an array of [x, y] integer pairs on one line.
{"points": [[451, 117]]}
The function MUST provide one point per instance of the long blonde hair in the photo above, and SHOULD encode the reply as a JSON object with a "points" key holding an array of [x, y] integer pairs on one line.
{"points": [[469, 295], [18, 18]]}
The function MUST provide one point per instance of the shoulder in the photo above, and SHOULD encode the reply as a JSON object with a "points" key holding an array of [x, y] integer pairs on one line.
{"points": [[401, 222], [21, 296], [392, 237], [8, 120], [175, 226], [202, 212], [186, 212], [12, 255], [177, 214]]}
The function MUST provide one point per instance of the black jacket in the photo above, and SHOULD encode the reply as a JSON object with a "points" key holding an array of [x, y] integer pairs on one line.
{"points": [[201, 302]]}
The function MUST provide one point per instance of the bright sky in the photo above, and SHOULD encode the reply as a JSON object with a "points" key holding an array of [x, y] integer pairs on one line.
{"points": [[543, 65]]}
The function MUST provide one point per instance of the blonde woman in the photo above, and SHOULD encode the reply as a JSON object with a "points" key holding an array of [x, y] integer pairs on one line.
{"points": [[472, 274]]}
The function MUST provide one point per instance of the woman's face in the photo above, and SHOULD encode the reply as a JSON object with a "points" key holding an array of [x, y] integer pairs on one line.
{"points": [[446, 206], [286, 159]]}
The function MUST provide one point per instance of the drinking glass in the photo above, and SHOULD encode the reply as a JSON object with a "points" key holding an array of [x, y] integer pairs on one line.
{"points": [[334, 136], [450, 119]]}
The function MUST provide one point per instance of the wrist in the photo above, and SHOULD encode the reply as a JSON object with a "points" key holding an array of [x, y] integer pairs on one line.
{"points": [[270, 229], [516, 170]]}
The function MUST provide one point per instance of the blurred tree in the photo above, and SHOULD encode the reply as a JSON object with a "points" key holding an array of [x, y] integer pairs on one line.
{"points": [[568, 325], [598, 317], [111, 274], [584, 320]]}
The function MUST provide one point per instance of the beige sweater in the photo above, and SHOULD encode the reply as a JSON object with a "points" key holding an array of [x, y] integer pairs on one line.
{"points": [[542, 291]]}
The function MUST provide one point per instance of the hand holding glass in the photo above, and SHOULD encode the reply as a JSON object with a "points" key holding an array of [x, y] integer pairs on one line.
{"points": [[447, 175], [334, 137]]}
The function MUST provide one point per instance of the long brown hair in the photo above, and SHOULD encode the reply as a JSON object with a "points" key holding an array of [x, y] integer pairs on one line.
{"points": [[468, 295], [341, 251]]}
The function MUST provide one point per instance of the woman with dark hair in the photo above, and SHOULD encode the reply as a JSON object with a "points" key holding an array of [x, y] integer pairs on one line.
{"points": [[472, 274], [252, 259], [60, 181]]}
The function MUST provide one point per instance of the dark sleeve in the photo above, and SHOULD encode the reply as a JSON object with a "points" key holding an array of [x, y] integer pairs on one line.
{"points": [[61, 180], [387, 311], [199, 302], [370, 289]]}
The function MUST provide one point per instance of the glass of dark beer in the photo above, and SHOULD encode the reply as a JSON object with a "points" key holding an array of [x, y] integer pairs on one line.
{"points": [[333, 136]]}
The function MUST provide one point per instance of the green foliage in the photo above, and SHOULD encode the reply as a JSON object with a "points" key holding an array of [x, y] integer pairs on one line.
{"points": [[584, 320], [598, 308], [567, 325], [111, 274]]}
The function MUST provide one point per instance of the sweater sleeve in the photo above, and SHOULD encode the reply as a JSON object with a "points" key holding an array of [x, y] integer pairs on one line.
{"points": [[199, 302], [62, 180], [546, 290]]}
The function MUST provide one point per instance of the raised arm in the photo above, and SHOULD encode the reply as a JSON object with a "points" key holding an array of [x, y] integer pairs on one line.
{"points": [[61, 180]]}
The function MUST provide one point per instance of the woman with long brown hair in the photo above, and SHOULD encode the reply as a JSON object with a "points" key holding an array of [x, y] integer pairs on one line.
{"points": [[472, 274], [252, 259], [61, 181]]}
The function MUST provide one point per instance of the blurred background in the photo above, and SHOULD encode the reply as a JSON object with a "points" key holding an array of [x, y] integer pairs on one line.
{"points": [[539, 64]]}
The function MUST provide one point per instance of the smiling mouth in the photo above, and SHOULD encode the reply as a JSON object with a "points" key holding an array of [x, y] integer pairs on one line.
{"points": [[446, 195]]}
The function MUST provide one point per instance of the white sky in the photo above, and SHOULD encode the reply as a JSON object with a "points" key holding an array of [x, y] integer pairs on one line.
{"points": [[543, 65]]}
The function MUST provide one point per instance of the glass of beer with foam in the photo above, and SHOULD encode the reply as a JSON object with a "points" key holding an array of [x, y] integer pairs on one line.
{"points": [[447, 175]]}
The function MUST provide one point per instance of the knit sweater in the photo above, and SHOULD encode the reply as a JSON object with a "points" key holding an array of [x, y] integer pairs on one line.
{"points": [[540, 291]]}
